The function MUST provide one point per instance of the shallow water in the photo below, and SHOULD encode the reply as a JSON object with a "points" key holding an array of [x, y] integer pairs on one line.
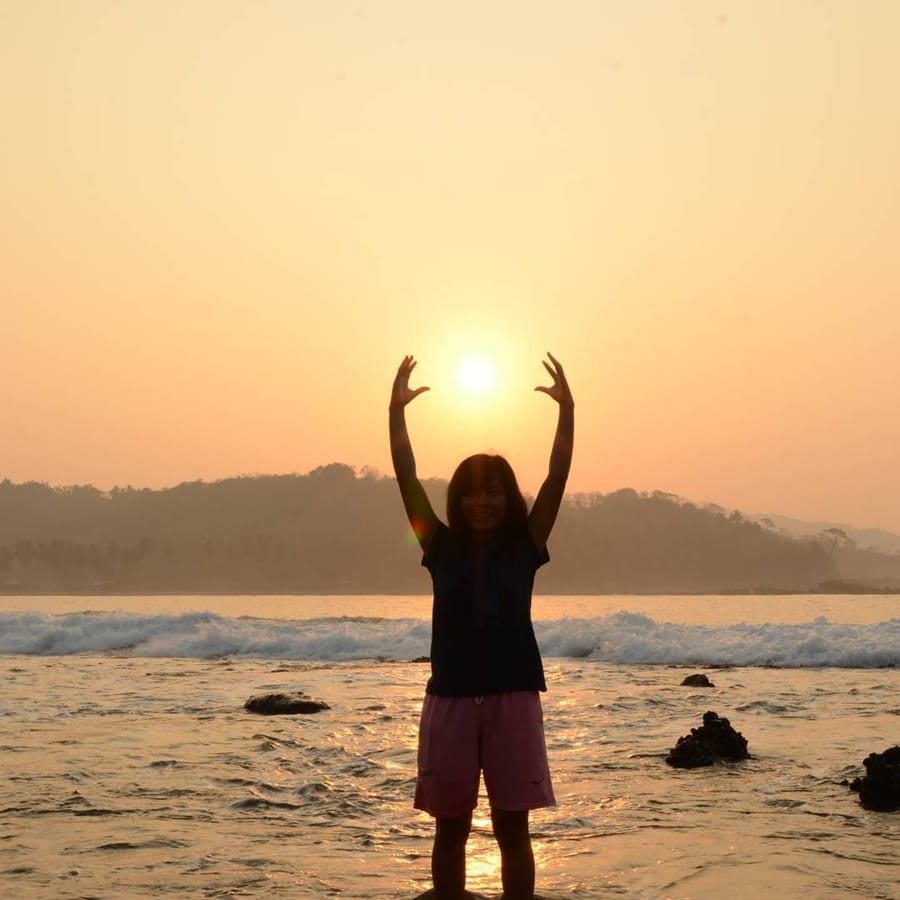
{"points": [[139, 776]]}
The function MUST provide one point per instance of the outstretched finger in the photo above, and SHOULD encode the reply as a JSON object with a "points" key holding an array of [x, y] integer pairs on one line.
{"points": [[553, 374], [555, 362]]}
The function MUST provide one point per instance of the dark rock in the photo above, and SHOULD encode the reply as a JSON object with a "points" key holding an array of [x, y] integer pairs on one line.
{"points": [[879, 788], [715, 740], [697, 681], [284, 704]]}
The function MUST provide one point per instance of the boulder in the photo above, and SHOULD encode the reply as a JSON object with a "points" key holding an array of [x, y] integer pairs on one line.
{"points": [[294, 704], [879, 788], [699, 680], [715, 740]]}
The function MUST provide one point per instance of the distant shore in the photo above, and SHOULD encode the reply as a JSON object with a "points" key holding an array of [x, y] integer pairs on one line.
{"points": [[828, 589]]}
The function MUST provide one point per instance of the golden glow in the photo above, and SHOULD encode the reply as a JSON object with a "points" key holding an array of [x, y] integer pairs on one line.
{"points": [[476, 375], [224, 224], [483, 855]]}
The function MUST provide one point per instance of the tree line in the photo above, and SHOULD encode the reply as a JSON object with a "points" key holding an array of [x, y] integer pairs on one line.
{"points": [[338, 530]]}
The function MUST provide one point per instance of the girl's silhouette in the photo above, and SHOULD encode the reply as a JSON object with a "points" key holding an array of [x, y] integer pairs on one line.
{"points": [[482, 709]]}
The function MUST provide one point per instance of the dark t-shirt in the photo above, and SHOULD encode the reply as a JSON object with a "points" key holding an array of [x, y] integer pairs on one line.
{"points": [[482, 640]]}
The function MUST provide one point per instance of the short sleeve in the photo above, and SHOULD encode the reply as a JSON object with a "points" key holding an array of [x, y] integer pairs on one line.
{"points": [[539, 557], [437, 548]]}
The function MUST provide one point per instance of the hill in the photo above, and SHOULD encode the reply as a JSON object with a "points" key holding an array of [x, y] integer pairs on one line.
{"points": [[336, 530], [879, 539]]}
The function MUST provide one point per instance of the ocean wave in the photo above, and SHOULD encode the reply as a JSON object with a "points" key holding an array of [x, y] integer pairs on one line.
{"points": [[626, 638]]}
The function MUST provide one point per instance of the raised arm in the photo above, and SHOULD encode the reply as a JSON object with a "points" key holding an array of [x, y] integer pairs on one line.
{"points": [[418, 507], [546, 505]]}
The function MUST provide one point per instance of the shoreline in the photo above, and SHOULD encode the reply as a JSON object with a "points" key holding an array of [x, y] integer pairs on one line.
{"points": [[848, 588]]}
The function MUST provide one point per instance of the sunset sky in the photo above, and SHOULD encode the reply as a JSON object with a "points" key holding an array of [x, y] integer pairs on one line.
{"points": [[223, 224]]}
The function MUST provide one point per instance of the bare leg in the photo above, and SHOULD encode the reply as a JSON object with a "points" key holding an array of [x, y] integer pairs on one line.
{"points": [[516, 857], [448, 857]]}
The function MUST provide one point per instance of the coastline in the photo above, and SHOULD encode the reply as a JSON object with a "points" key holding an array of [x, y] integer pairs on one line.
{"points": [[825, 589]]}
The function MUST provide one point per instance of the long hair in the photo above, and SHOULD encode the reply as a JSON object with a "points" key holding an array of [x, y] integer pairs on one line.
{"points": [[473, 473]]}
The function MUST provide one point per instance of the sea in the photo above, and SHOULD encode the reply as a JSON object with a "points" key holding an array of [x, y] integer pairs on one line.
{"points": [[130, 767]]}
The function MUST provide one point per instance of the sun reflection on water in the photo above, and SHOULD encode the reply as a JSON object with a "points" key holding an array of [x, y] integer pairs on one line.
{"points": [[483, 856]]}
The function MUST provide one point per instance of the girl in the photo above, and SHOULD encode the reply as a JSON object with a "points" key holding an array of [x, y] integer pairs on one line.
{"points": [[482, 710]]}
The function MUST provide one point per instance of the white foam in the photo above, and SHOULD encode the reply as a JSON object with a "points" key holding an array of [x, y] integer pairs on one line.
{"points": [[627, 638], [635, 638]]}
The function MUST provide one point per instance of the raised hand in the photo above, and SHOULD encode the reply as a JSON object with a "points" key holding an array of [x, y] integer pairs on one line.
{"points": [[559, 390], [401, 393], [546, 504]]}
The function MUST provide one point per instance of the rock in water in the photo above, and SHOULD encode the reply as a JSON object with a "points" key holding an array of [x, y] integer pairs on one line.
{"points": [[284, 704], [715, 740], [699, 680], [879, 788]]}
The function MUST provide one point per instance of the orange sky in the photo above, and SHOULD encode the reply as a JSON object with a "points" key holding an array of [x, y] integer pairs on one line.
{"points": [[224, 223]]}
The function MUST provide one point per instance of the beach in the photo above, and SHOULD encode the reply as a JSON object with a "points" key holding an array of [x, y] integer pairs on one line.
{"points": [[132, 769]]}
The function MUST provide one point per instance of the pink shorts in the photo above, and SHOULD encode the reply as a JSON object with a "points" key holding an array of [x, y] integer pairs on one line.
{"points": [[501, 735]]}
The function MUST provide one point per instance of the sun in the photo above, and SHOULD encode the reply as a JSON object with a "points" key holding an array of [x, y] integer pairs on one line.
{"points": [[476, 375]]}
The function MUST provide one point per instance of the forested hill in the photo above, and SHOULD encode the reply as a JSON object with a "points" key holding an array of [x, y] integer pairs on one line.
{"points": [[334, 530]]}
